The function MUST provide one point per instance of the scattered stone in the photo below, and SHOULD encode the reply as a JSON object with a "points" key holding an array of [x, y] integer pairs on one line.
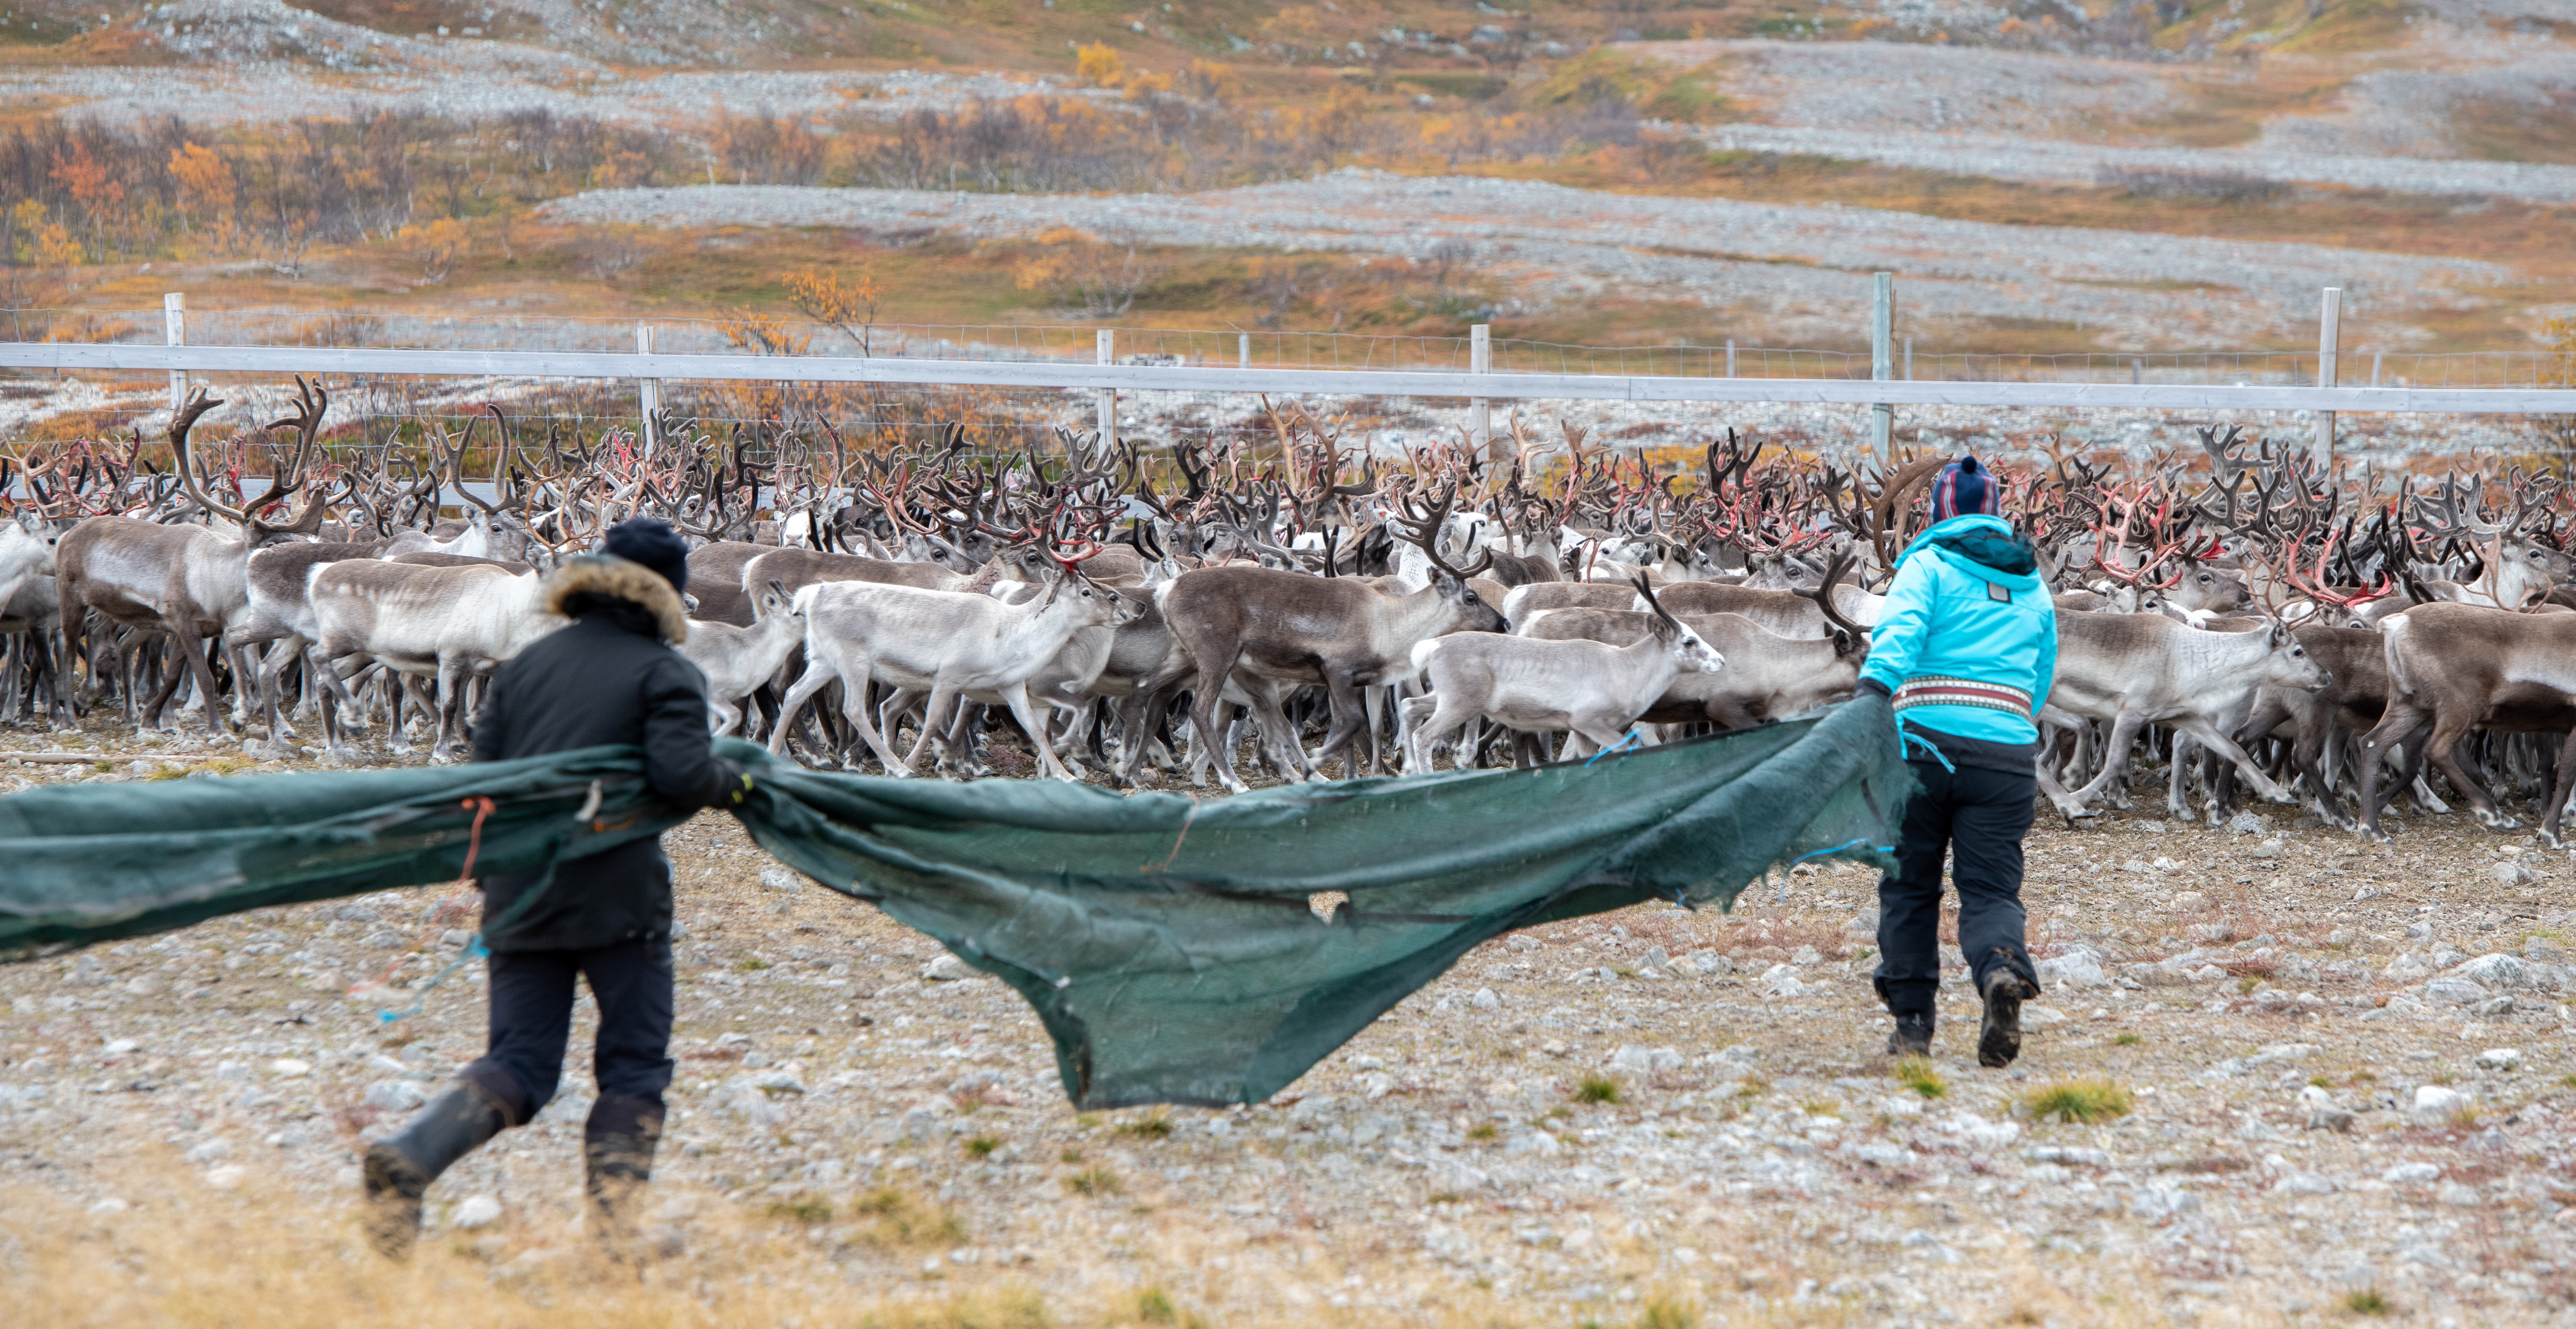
{"points": [[395, 1096], [782, 879], [1485, 1000], [2246, 823], [948, 969], [2436, 1105], [226, 1177], [288, 1068], [2500, 1059], [2502, 972], [2412, 1174], [2078, 968], [476, 1211], [2455, 991], [1645, 1060]]}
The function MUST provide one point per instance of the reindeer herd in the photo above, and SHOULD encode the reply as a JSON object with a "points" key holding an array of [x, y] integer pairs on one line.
{"points": [[1268, 597]]}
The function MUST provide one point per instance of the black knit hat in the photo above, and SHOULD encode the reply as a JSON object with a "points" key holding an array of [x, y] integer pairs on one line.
{"points": [[1964, 487], [651, 542]]}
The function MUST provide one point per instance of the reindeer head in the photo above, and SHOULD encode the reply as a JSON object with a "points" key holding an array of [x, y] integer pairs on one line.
{"points": [[2290, 665], [1691, 654]]}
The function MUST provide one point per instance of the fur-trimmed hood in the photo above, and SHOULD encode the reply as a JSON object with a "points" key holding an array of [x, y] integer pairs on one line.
{"points": [[618, 579]]}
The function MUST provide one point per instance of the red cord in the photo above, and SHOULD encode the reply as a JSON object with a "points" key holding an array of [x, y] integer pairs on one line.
{"points": [[473, 848]]}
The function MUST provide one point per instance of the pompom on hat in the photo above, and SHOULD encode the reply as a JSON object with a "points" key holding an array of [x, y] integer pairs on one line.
{"points": [[1963, 487]]}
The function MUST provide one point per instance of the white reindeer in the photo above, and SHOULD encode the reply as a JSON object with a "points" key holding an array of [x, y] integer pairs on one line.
{"points": [[736, 660], [1590, 688], [942, 642]]}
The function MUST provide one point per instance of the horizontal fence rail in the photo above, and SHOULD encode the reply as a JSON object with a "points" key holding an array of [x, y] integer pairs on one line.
{"points": [[1129, 377], [1265, 349]]}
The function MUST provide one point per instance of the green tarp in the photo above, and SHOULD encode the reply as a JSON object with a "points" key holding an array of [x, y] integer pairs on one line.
{"points": [[1166, 942]]}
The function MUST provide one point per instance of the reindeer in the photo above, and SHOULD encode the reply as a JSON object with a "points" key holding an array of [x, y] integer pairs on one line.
{"points": [[2133, 670], [2518, 571], [1590, 689], [1258, 627], [2457, 667], [737, 661], [187, 583], [941, 642], [447, 624]]}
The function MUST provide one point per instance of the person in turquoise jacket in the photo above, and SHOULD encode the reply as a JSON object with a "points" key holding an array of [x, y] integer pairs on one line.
{"points": [[1965, 648]]}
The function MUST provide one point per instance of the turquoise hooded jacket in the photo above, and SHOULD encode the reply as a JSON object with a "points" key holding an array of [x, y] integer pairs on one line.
{"points": [[1967, 641]]}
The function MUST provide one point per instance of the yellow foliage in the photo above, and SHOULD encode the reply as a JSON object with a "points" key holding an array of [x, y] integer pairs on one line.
{"points": [[205, 179], [435, 246], [55, 247], [1140, 84], [761, 334], [1211, 81], [852, 308], [1099, 64]]}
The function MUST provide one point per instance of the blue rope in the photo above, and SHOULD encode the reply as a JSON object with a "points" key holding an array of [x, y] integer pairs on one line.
{"points": [[1632, 736], [1905, 736], [474, 950]]}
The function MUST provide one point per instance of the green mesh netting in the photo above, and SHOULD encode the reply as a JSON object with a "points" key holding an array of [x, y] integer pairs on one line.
{"points": [[1166, 942]]}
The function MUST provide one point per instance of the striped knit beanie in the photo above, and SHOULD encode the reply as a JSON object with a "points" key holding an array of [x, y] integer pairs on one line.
{"points": [[1964, 487]]}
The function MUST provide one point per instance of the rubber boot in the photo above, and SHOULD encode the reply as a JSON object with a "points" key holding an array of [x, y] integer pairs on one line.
{"points": [[1912, 1036], [1999, 1041], [617, 1159], [398, 1170]]}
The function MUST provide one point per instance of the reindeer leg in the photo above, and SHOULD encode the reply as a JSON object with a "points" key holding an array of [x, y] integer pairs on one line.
{"points": [[817, 673], [2201, 730], [1439, 715], [2446, 759], [2402, 722], [1016, 697], [1346, 711], [2177, 779], [2115, 750], [1411, 714], [2560, 789], [1205, 699], [2304, 754], [942, 696], [854, 708]]}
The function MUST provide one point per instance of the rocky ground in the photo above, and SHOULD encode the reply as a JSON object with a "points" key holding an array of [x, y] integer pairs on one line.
{"points": [[2344, 1070], [1807, 265]]}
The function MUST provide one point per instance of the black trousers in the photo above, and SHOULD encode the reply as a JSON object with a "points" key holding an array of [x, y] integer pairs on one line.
{"points": [[1979, 817], [532, 994]]}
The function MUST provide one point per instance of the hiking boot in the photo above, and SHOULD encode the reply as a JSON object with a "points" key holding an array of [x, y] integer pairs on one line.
{"points": [[398, 1170], [1912, 1036], [2000, 1039], [617, 1150]]}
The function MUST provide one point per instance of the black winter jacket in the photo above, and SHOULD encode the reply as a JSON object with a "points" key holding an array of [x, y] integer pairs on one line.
{"points": [[611, 677]]}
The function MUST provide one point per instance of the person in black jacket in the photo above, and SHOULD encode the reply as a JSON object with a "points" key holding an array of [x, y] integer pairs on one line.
{"points": [[610, 677]]}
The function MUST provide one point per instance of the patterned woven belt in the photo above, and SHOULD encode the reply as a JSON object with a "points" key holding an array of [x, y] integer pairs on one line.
{"points": [[1939, 690]]}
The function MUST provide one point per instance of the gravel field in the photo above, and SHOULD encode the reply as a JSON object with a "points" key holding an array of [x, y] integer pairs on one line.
{"points": [[1806, 267], [2057, 162], [2017, 115], [2347, 1068], [254, 61], [1908, 87]]}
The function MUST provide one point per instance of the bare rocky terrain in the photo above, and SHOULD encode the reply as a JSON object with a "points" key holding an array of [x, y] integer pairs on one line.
{"points": [[1809, 265], [2346, 1068]]}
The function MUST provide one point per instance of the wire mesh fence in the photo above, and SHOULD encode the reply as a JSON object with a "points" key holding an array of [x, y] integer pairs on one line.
{"points": [[1270, 349]]}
